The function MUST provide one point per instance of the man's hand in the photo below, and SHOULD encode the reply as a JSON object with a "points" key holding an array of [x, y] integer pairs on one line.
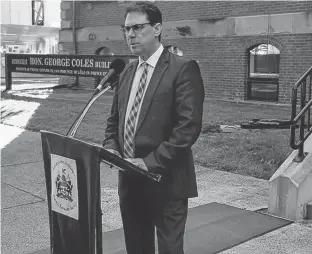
{"points": [[113, 151], [138, 162]]}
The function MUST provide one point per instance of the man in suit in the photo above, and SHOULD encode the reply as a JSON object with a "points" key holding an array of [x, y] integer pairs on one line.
{"points": [[156, 117]]}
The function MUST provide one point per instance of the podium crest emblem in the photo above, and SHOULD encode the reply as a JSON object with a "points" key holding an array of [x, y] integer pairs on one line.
{"points": [[64, 186], [64, 193]]}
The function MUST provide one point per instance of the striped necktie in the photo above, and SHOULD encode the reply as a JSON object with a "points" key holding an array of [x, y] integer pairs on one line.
{"points": [[130, 124]]}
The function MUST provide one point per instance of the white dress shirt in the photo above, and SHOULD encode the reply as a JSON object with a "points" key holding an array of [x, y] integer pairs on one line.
{"points": [[152, 61]]}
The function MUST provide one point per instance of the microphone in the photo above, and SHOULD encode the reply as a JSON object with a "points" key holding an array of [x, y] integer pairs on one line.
{"points": [[115, 68]]}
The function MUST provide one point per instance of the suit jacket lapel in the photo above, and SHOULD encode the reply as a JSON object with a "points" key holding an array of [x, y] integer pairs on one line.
{"points": [[127, 80], [159, 71]]}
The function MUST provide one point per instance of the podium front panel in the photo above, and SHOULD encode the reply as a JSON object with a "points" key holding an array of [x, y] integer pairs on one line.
{"points": [[72, 171]]}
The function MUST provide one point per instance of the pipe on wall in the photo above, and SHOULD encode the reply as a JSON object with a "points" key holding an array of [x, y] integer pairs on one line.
{"points": [[74, 35], [74, 27]]}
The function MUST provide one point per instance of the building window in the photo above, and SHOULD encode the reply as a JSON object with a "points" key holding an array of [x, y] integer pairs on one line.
{"points": [[263, 74], [37, 12], [174, 50]]}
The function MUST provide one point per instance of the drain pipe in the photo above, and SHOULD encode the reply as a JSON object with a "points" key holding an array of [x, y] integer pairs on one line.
{"points": [[74, 26], [74, 35]]}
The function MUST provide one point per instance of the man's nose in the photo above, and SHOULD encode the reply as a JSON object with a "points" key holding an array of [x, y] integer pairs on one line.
{"points": [[131, 34]]}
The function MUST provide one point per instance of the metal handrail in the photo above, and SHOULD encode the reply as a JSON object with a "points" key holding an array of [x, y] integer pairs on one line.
{"points": [[305, 106]]}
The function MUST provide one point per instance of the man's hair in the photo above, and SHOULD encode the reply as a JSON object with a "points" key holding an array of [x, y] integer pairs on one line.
{"points": [[152, 12]]}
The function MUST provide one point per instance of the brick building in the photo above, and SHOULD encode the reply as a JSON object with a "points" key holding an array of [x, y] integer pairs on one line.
{"points": [[247, 50]]}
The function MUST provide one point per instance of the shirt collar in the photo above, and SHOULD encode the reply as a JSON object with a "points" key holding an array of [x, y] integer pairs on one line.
{"points": [[153, 59]]}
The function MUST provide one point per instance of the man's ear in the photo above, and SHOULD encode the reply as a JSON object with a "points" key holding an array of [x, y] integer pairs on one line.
{"points": [[157, 29]]}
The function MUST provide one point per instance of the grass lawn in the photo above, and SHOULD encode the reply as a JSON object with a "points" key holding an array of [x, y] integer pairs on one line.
{"points": [[255, 153]]}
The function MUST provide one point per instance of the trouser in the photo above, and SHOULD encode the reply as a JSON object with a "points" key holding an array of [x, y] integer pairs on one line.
{"points": [[141, 215]]}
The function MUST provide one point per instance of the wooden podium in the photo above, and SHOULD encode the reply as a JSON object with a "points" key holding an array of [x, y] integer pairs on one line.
{"points": [[72, 171]]}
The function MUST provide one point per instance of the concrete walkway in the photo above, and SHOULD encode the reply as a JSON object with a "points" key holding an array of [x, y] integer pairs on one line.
{"points": [[25, 223]]}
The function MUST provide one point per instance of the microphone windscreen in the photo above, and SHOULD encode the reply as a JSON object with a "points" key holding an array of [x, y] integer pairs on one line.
{"points": [[118, 65]]}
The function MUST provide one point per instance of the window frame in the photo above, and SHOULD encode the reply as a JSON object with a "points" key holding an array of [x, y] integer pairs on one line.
{"points": [[34, 13], [269, 78]]}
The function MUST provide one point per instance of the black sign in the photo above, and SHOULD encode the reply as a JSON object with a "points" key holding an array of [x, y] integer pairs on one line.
{"points": [[67, 65]]}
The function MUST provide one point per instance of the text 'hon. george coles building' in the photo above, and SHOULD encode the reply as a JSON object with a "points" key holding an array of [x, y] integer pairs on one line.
{"points": [[247, 50]]}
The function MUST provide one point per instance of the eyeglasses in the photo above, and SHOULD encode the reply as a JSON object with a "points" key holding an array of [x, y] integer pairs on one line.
{"points": [[137, 28]]}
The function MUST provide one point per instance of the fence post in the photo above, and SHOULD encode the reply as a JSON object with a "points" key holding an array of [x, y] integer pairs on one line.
{"points": [[8, 74]]}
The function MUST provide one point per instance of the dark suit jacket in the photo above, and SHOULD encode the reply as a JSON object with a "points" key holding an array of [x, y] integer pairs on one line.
{"points": [[169, 123]]}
